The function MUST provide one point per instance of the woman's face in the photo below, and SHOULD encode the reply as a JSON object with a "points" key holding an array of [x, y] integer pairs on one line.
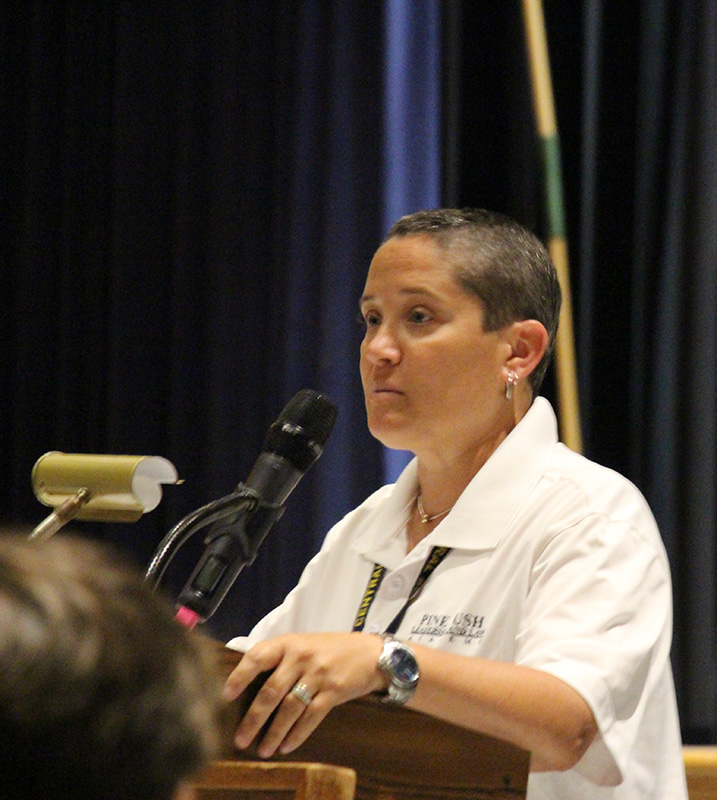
{"points": [[433, 379]]}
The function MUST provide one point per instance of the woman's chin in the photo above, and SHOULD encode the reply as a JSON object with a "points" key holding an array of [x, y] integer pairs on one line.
{"points": [[391, 434]]}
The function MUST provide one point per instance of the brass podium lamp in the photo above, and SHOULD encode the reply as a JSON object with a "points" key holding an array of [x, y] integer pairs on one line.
{"points": [[97, 487]]}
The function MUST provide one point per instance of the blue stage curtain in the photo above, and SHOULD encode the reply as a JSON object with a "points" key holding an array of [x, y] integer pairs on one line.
{"points": [[647, 306], [191, 195], [674, 343], [194, 194]]}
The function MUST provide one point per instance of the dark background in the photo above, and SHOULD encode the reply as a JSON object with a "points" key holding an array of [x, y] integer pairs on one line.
{"points": [[191, 194]]}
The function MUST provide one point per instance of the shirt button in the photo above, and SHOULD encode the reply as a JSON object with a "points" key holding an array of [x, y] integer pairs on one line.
{"points": [[395, 586]]}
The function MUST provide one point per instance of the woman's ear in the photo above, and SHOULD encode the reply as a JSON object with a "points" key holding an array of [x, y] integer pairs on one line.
{"points": [[528, 339]]}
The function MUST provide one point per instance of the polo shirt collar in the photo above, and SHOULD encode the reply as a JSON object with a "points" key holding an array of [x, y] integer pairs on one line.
{"points": [[486, 507]]}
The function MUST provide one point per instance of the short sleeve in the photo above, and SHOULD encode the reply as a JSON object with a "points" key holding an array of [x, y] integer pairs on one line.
{"points": [[598, 616]]}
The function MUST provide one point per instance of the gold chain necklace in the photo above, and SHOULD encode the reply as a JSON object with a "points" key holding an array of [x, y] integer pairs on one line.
{"points": [[424, 517]]}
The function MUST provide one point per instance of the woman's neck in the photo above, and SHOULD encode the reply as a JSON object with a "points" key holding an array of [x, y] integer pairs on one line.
{"points": [[438, 491], [442, 481]]}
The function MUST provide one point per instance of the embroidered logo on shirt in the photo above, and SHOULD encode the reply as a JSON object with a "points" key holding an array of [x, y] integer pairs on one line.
{"points": [[463, 625]]}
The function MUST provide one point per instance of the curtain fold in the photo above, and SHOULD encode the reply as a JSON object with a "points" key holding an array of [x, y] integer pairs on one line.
{"points": [[674, 348], [645, 232]]}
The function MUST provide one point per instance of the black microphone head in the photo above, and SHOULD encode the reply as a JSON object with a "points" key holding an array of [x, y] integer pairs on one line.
{"points": [[301, 430]]}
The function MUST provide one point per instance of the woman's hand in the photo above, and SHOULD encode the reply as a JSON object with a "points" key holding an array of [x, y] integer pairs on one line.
{"points": [[530, 708], [334, 668]]}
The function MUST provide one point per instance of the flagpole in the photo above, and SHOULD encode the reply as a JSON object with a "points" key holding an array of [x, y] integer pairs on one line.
{"points": [[544, 105]]}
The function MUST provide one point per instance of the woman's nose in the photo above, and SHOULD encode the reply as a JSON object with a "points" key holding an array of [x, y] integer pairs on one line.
{"points": [[381, 346]]}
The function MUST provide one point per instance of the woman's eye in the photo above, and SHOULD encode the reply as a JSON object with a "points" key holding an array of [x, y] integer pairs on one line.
{"points": [[369, 319], [417, 315]]}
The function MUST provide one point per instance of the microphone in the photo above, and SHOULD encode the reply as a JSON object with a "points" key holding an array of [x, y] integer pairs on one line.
{"points": [[292, 444]]}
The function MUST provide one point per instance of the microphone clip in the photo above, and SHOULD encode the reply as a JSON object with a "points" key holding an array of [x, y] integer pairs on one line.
{"points": [[249, 525], [230, 545]]}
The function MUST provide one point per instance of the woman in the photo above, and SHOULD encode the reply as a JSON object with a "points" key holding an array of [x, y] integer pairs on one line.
{"points": [[527, 587]]}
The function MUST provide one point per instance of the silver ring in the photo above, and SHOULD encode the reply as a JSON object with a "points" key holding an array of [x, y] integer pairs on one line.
{"points": [[302, 691]]}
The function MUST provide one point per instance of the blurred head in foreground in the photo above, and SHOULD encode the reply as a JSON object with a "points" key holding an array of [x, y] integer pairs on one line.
{"points": [[103, 694]]}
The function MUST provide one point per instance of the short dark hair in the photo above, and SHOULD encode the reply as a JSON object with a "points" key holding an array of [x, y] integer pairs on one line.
{"points": [[103, 694], [499, 261]]}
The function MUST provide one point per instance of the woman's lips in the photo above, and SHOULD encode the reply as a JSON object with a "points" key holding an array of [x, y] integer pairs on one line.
{"points": [[386, 391]]}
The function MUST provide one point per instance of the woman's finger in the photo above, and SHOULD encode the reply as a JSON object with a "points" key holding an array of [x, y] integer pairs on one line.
{"points": [[259, 659], [273, 693], [293, 712], [306, 724]]}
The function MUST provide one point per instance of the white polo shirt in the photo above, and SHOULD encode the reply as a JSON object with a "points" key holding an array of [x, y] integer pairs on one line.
{"points": [[557, 564]]}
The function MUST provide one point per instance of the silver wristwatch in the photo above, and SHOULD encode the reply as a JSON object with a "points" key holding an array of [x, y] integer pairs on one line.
{"points": [[398, 662]]}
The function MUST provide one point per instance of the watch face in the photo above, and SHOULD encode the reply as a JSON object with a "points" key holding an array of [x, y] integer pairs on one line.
{"points": [[403, 666]]}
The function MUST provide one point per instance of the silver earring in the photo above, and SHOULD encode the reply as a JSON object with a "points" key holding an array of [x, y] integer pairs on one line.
{"points": [[510, 384]]}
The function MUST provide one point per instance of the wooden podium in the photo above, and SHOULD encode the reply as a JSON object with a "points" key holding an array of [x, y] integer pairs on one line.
{"points": [[398, 754]]}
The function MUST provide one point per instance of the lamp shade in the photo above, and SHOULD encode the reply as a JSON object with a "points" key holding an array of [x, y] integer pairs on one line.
{"points": [[121, 488]]}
